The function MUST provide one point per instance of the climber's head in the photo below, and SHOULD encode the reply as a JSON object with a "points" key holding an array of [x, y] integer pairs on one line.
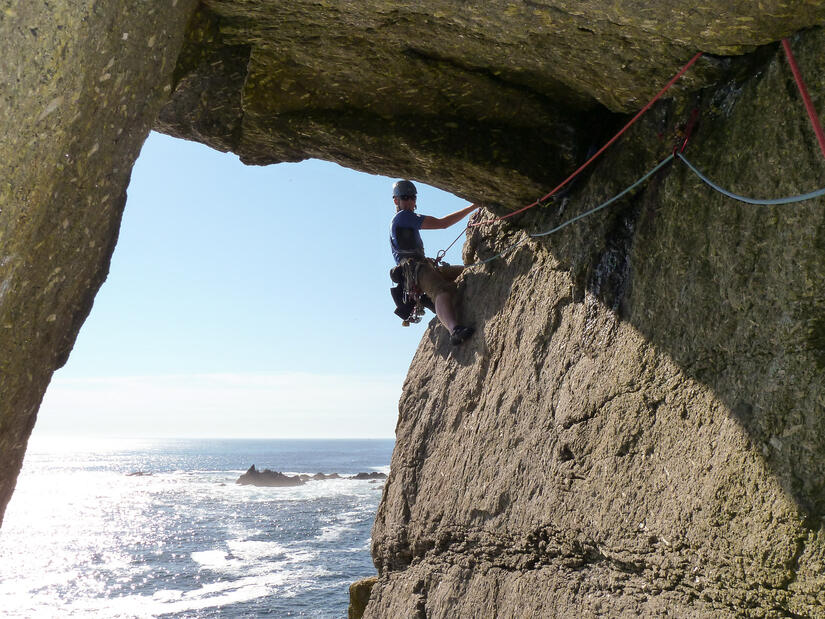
{"points": [[404, 195]]}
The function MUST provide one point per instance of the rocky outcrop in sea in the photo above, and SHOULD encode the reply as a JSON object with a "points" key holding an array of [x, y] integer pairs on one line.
{"points": [[267, 477]]}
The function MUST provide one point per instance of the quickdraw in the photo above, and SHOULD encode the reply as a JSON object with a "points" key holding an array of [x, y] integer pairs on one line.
{"points": [[685, 132]]}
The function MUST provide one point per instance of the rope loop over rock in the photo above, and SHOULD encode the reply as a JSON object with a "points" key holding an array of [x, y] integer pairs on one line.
{"points": [[770, 201], [677, 153], [601, 206]]}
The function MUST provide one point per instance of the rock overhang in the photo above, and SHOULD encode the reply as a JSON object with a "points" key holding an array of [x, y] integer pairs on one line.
{"points": [[490, 101]]}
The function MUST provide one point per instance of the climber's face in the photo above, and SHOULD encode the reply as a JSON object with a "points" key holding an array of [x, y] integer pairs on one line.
{"points": [[405, 203]]}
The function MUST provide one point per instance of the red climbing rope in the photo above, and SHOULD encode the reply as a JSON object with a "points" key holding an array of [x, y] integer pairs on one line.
{"points": [[687, 132], [820, 135], [681, 72]]}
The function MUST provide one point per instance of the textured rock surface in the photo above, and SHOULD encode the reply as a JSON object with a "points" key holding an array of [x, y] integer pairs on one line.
{"points": [[490, 100], [639, 427], [81, 83]]}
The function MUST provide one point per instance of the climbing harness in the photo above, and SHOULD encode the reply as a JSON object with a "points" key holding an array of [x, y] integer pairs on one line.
{"points": [[410, 301], [412, 294]]}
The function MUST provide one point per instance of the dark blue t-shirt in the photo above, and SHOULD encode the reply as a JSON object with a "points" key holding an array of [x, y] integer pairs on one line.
{"points": [[406, 243]]}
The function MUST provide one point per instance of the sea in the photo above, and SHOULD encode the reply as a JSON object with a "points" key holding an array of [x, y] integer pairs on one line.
{"points": [[158, 528]]}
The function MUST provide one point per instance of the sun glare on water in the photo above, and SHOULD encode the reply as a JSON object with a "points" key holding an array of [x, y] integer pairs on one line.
{"points": [[82, 537]]}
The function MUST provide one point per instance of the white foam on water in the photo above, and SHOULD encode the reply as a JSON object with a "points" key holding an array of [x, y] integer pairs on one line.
{"points": [[311, 490], [342, 523], [334, 533], [353, 516], [169, 601], [224, 593], [254, 550], [217, 559], [366, 547], [251, 557]]}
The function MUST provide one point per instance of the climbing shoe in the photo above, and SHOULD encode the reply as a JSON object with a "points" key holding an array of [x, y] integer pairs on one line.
{"points": [[460, 334]]}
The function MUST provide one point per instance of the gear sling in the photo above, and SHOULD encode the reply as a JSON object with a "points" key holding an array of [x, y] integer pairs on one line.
{"points": [[410, 301]]}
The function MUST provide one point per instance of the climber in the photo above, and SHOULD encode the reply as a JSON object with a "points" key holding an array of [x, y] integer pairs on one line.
{"points": [[420, 279]]}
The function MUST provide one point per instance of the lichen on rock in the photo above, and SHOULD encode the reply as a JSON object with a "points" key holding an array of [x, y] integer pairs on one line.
{"points": [[359, 595]]}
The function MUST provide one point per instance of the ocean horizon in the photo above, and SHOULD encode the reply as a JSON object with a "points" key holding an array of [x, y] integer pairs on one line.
{"points": [[157, 527]]}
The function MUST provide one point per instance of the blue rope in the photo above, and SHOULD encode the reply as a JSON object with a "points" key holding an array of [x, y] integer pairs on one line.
{"points": [[653, 171], [788, 200], [658, 167], [513, 246]]}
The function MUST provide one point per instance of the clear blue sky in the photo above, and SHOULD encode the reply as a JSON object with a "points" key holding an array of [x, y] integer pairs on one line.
{"points": [[245, 301]]}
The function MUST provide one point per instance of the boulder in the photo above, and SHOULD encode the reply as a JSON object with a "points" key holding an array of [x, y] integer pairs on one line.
{"points": [[359, 596]]}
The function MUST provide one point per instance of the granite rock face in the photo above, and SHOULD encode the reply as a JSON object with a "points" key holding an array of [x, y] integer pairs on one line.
{"points": [[81, 83], [638, 425]]}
